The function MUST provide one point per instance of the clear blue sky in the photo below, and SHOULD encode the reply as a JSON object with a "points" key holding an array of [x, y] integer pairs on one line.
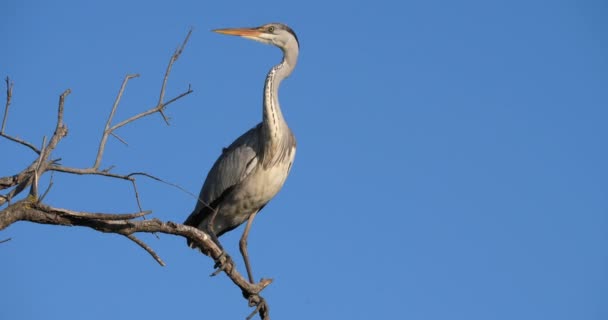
{"points": [[452, 159]]}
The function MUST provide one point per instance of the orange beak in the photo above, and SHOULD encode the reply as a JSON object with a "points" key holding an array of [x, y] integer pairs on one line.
{"points": [[243, 32]]}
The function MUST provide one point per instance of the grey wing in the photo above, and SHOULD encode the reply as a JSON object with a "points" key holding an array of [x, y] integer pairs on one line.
{"points": [[236, 162]]}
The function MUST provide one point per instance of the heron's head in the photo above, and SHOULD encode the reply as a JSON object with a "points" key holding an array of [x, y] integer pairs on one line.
{"points": [[276, 34]]}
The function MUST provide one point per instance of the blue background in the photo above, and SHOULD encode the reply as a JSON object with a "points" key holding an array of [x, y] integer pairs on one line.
{"points": [[452, 158]]}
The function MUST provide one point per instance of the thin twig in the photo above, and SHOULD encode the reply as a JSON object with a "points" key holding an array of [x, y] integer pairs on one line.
{"points": [[129, 177], [92, 171], [37, 170], [9, 96], [6, 240], [252, 314], [187, 92], [108, 169], [136, 194], [174, 58], [147, 248], [107, 130], [48, 188], [20, 141], [177, 186], [60, 111], [119, 138]]}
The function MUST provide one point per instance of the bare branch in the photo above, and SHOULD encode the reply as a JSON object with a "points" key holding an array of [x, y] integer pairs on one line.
{"points": [[60, 132], [42, 161], [147, 248], [11, 181], [20, 141], [26, 210], [60, 111], [93, 171], [31, 175], [20, 181], [99, 216], [20, 187], [9, 96], [6, 240]]}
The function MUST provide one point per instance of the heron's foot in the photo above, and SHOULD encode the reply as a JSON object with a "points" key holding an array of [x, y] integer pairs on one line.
{"points": [[221, 263]]}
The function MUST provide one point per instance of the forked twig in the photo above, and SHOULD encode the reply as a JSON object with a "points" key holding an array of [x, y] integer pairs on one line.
{"points": [[108, 129], [174, 58], [162, 105], [9, 96]]}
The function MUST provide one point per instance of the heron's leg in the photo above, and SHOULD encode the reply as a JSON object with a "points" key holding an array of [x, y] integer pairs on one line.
{"points": [[211, 229], [220, 263], [243, 246]]}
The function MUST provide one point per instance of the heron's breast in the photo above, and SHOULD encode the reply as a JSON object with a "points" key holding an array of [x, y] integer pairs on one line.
{"points": [[268, 182], [264, 183]]}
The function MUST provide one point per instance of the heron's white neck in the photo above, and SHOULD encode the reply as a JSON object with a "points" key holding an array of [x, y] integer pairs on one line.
{"points": [[274, 125]]}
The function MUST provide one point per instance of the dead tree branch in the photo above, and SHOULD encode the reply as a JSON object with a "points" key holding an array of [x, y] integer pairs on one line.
{"points": [[32, 209]]}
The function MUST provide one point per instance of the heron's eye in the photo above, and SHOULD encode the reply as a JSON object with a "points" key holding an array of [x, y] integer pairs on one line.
{"points": [[271, 29]]}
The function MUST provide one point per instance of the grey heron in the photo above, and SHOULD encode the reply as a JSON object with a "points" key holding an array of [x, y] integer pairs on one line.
{"points": [[252, 170]]}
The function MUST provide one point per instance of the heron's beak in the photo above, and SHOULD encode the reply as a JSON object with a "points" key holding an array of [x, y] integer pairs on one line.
{"points": [[251, 33]]}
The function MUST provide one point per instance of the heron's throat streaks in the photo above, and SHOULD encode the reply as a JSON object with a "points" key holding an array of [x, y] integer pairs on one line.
{"points": [[274, 125]]}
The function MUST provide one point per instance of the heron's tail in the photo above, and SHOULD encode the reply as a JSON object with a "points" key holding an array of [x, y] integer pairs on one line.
{"points": [[194, 220]]}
